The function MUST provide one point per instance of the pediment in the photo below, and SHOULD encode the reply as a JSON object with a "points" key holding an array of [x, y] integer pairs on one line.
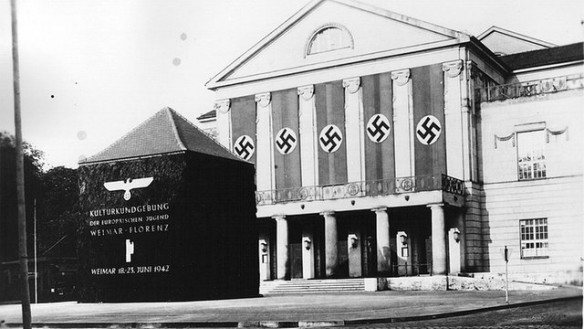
{"points": [[374, 32], [505, 42]]}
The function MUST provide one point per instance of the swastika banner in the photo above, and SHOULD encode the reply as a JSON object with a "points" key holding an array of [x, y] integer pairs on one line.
{"points": [[330, 114], [378, 117], [286, 142], [429, 128], [243, 123]]}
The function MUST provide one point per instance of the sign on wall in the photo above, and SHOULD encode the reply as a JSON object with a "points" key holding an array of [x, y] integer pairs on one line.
{"points": [[135, 238], [128, 236]]}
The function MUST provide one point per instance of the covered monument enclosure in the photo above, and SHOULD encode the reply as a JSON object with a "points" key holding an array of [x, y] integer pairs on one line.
{"points": [[169, 214]]}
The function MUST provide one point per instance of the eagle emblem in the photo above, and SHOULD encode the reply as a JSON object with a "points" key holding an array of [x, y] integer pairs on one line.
{"points": [[127, 185]]}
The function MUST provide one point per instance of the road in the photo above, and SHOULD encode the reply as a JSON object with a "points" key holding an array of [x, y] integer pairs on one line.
{"points": [[561, 315]]}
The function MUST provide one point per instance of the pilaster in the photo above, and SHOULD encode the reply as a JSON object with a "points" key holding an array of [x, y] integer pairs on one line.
{"points": [[354, 135], [453, 118], [308, 133], [223, 114], [403, 131], [265, 176]]}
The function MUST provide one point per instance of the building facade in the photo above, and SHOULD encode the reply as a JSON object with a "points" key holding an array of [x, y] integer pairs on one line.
{"points": [[412, 151]]}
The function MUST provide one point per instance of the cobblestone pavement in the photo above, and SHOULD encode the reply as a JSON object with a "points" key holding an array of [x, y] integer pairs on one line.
{"points": [[535, 326]]}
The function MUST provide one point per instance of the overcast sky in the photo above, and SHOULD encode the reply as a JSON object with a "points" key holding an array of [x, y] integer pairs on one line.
{"points": [[91, 70]]}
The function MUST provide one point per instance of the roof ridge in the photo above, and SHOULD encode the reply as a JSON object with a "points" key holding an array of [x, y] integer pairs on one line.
{"points": [[117, 140], [495, 28], [166, 132], [406, 19], [170, 112], [546, 49], [205, 134]]}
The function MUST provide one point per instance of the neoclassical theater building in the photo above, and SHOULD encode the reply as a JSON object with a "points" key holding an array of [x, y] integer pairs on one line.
{"points": [[389, 146]]}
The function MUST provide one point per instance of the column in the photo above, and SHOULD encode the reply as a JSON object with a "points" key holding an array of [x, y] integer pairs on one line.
{"points": [[264, 164], [438, 239], [403, 129], [330, 243], [383, 247], [453, 118], [283, 272], [223, 122], [354, 130], [308, 136]]}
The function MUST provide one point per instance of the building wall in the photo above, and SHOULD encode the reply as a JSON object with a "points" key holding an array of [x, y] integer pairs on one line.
{"points": [[557, 197], [437, 76], [427, 90]]}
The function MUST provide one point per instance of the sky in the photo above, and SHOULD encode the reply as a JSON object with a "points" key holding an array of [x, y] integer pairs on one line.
{"points": [[91, 70]]}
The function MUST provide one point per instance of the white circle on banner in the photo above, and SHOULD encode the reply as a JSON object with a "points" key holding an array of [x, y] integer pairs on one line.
{"points": [[428, 130], [378, 128], [330, 138], [244, 147], [286, 140]]}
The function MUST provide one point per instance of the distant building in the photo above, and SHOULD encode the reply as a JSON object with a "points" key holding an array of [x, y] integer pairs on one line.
{"points": [[398, 147], [208, 123]]}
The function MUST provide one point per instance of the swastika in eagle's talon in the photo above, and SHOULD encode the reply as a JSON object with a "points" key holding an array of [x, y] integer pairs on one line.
{"points": [[244, 147], [428, 130], [378, 128], [286, 141], [330, 138]]}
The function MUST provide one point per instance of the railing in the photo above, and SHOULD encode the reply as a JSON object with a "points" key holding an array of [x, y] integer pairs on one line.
{"points": [[530, 88], [412, 269], [362, 189]]}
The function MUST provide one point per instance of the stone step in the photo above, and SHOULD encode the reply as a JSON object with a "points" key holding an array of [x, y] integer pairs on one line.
{"points": [[311, 286]]}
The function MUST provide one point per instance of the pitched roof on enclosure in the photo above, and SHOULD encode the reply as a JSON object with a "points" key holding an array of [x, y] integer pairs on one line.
{"points": [[165, 132], [541, 57]]}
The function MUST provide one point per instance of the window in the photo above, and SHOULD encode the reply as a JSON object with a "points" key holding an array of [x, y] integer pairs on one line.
{"points": [[531, 155], [328, 38], [534, 237]]}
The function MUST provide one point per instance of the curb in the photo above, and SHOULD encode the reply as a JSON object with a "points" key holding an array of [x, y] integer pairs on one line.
{"points": [[283, 324]]}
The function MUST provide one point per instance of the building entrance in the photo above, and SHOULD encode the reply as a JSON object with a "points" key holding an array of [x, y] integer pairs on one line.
{"points": [[296, 260], [364, 243]]}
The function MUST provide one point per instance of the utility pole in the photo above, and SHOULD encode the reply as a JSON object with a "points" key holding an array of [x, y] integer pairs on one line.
{"points": [[507, 254], [36, 270], [22, 250]]}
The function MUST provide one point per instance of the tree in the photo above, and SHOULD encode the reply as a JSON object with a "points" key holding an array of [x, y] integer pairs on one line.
{"points": [[58, 212], [57, 198], [33, 161]]}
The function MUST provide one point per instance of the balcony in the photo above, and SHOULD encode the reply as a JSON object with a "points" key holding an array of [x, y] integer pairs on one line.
{"points": [[371, 188], [530, 88]]}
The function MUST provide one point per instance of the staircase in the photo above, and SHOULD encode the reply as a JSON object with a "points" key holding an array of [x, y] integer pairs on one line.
{"points": [[311, 286]]}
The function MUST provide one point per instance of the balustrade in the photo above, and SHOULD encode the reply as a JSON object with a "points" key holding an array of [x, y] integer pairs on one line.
{"points": [[530, 88], [362, 189]]}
